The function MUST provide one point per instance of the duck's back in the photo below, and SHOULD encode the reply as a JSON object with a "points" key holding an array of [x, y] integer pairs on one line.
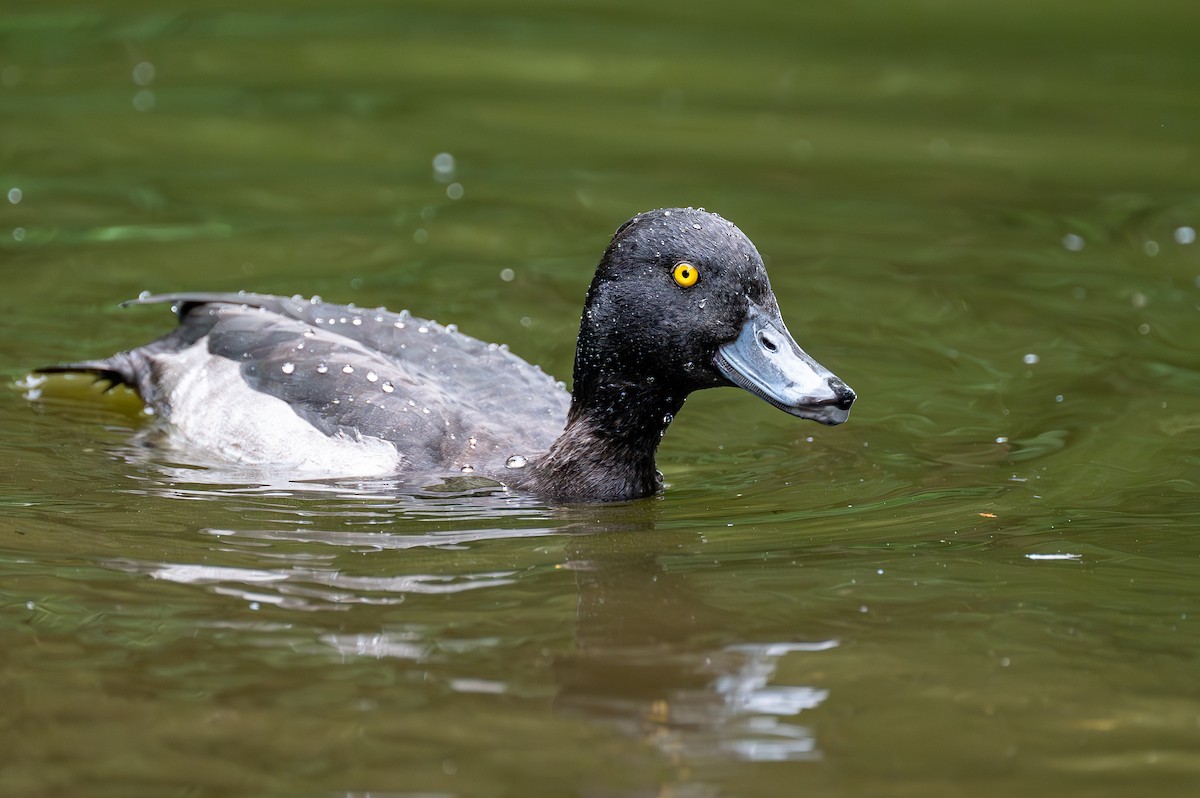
{"points": [[332, 388]]}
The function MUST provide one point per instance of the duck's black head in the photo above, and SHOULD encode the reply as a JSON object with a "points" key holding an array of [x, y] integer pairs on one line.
{"points": [[680, 302]]}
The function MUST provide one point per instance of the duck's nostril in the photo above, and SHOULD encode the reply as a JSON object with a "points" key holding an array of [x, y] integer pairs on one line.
{"points": [[845, 396], [767, 343]]}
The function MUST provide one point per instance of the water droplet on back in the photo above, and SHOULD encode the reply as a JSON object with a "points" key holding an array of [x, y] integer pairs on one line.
{"points": [[516, 461], [288, 368], [372, 377], [322, 368]]}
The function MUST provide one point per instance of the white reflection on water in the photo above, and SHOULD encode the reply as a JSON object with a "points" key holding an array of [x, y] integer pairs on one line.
{"points": [[755, 729], [307, 588], [736, 712], [383, 645], [383, 541]]}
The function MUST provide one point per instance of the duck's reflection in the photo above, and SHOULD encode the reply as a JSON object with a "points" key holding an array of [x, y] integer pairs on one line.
{"points": [[652, 656], [654, 660]]}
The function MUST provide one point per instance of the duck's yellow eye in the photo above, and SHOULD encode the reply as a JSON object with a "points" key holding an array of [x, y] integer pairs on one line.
{"points": [[686, 274]]}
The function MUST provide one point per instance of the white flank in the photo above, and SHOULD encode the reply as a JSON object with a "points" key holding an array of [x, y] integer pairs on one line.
{"points": [[212, 410]]}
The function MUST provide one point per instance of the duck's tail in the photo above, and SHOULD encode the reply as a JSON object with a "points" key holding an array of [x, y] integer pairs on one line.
{"points": [[120, 369]]}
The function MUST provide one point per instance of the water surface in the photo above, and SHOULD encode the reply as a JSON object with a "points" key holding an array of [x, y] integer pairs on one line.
{"points": [[982, 218]]}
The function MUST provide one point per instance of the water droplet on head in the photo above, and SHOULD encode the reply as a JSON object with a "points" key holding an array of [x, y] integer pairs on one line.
{"points": [[388, 387], [422, 329], [288, 368], [696, 226], [472, 441], [468, 469], [372, 377], [516, 461], [322, 368], [356, 321], [309, 332], [347, 369]]}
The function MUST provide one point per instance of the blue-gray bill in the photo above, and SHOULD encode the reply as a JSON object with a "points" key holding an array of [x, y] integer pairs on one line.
{"points": [[766, 361]]}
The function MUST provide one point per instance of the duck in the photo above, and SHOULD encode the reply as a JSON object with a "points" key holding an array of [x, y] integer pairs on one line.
{"points": [[679, 302]]}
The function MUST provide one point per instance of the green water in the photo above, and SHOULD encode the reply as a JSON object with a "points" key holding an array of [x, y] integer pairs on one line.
{"points": [[980, 215]]}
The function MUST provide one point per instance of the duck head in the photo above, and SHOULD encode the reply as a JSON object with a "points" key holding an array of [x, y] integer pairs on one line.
{"points": [[680, 302]]}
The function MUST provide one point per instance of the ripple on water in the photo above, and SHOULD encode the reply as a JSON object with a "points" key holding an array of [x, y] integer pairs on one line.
{"points": [[311, 588]]}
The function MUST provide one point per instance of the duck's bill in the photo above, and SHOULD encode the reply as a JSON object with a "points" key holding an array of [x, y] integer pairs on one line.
{"points": [[766, 361]]}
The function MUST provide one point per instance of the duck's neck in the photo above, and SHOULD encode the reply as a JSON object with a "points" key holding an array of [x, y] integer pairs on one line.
{"points": [[606, 452]]}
